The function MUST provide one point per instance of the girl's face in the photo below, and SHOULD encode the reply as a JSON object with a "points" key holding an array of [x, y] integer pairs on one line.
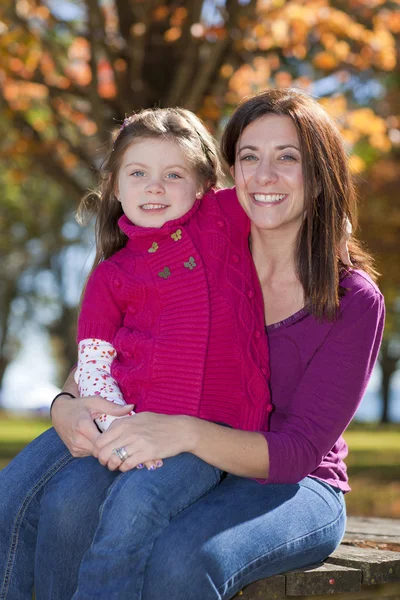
{"points": [[268, 173], [155, 182]]}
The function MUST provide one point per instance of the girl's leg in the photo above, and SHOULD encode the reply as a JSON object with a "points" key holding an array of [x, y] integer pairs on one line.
{"points": [[241, 532], [138, 507], [21, 486], [68, 518]]}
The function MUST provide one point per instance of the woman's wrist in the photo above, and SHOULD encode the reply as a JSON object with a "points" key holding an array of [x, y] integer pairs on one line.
{"points": [[58, 396], [191, 429]]}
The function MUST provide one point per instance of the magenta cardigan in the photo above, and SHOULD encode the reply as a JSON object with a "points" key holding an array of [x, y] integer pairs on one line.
{"points": [[182, 306]]}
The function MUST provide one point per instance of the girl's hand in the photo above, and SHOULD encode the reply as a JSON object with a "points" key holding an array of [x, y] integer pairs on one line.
{"points": [[147, 437]]}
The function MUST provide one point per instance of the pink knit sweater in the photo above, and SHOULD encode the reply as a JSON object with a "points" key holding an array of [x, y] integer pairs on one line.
{"points": [[182, 306]]}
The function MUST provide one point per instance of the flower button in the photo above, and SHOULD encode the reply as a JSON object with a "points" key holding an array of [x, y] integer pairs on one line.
{"points": [[235, 258], [221, 223], [250, 294], [257, 334], [117, 283], [263, 370]]}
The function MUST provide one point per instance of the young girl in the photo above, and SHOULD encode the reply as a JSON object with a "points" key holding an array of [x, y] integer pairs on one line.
{"points": [[171, 321]]}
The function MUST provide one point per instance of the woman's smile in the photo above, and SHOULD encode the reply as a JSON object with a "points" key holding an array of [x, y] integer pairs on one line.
{"points": [[269, 174], [268, 199]]}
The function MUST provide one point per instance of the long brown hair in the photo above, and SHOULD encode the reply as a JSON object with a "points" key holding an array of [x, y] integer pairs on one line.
{"points": [[175, 124], [325, 168]]}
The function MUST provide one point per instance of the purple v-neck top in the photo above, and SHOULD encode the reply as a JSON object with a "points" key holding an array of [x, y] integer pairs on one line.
{"points": [[319, 372]]}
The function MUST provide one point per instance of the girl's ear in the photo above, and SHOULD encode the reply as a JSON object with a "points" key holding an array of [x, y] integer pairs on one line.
{"points": [[116, 192], [232, 171]]}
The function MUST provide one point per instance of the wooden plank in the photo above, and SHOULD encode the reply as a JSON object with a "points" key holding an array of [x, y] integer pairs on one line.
{"points": [[322, 579], [272, 588], [377, 566], [365, 530], [387, 591]]}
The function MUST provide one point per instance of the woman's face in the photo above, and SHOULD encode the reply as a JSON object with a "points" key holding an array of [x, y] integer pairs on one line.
{"points": [[268, 173]]}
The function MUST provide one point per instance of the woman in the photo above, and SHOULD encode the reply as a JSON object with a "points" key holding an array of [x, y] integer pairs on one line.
{"points": [[324, 326]]}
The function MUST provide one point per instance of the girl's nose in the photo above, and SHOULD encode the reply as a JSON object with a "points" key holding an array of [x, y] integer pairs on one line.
{"points": [[154, 187]]}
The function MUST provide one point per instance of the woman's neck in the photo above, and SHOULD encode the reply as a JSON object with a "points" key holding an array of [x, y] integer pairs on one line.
{"points": [[274, 258], [273, 253]]}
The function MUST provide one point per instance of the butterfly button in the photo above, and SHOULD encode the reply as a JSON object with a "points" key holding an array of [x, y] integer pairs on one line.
{"points": [[153, 247], [177, 235], [190, 264], [165, 273]]}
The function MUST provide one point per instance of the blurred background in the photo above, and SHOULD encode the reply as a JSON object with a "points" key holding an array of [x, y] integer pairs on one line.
{"points": [[70, 70]]}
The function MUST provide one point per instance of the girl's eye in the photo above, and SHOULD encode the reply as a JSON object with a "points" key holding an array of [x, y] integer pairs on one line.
{"points": [[173, 176], [138, 173]]}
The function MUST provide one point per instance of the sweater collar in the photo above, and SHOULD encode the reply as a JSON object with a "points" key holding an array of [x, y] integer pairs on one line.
{"points": [[143, 235]]}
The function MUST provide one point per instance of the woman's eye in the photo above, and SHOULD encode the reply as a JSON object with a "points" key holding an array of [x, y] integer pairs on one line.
{"points": [[288, 158], [138, 173], [249, 157]]}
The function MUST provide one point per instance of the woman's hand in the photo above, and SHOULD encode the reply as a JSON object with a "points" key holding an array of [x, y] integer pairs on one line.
{"points": [[343, 246], [147, 438], [73, 420]]}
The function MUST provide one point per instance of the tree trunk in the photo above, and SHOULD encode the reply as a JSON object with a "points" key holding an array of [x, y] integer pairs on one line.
{"points": [[388, 365]]}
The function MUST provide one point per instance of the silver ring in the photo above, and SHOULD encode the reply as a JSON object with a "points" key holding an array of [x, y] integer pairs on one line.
{"points": [[121, 453]]}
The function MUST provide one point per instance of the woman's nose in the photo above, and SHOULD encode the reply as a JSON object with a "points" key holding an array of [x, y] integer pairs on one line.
{"points": [[265, 173]]}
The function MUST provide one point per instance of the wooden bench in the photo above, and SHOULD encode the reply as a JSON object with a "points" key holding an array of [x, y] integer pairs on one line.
{"points": [[366, 565]]}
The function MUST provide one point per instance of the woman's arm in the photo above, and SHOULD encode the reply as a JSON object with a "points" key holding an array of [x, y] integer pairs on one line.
{"points": [[148, 436], [332, 386]]}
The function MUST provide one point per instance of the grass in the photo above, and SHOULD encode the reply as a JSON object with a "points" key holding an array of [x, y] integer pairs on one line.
{"points": [[373, 461]]}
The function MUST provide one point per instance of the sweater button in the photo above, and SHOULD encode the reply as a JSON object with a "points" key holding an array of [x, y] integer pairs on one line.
{"points": [[221, 223], [269, 408], [129, 354], [257, 334], [117, 283], [263, 370], [132, 310], [235, 258], [250, 294]]}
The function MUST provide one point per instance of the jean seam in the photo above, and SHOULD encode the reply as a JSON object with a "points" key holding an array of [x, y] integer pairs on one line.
{"points": [[19, 518], [251, 566]]}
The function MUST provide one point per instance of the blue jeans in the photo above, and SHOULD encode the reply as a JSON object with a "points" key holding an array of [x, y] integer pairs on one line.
{"points": [[138, 506], [237, 533]]}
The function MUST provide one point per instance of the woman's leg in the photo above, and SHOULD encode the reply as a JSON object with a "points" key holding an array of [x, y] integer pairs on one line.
{"points": [[68, 518], [241, 532], [138, 507], [21, 486]]}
